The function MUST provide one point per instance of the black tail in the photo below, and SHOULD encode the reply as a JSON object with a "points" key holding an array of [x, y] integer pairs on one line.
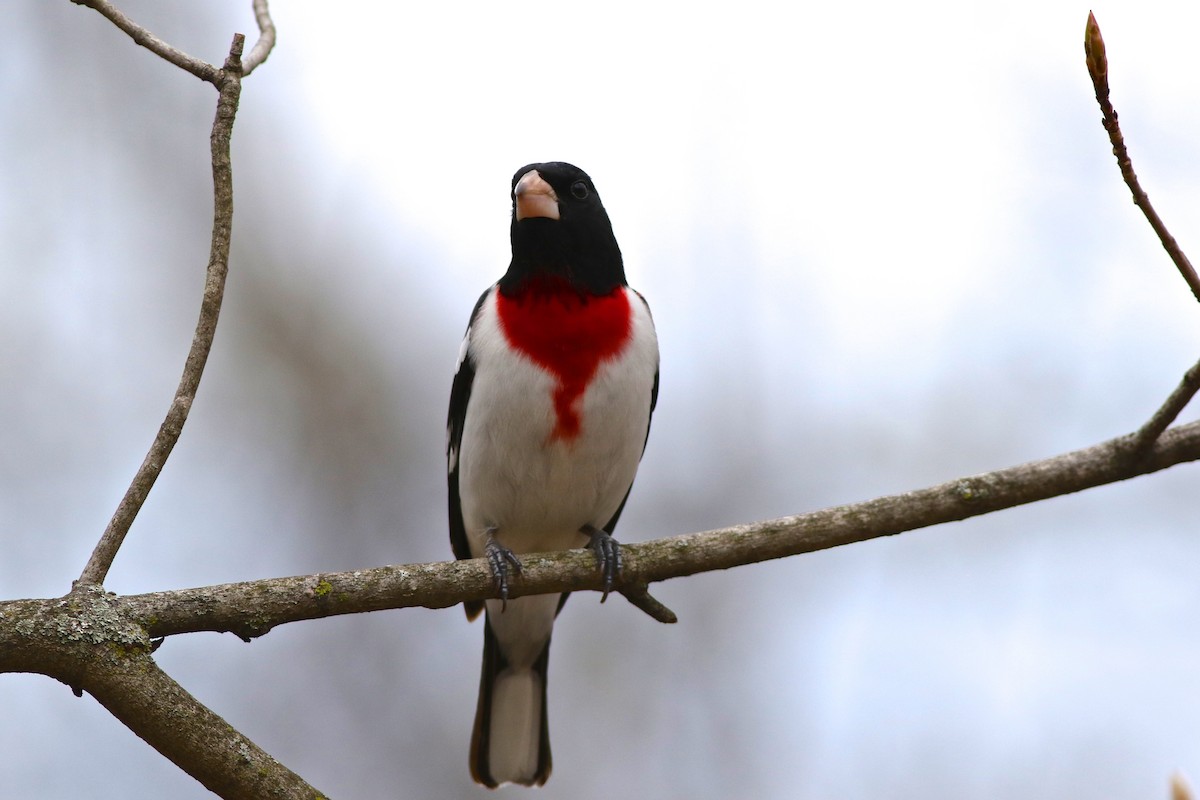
{"points": [[511, 740]]}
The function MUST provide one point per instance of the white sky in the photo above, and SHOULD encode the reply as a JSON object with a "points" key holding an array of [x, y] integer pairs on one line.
{"points": [[862, 146], [891, 172]]}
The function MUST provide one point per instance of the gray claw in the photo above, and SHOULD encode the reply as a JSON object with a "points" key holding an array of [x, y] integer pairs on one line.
{"points": [[608, 556], [500, 558]]}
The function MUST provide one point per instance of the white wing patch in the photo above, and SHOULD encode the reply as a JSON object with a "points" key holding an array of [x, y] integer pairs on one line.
{"points": [[452, 452], [462, 350]]}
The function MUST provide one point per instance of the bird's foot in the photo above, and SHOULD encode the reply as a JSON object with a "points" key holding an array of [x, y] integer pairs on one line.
{"points": [[608, 555], [500, 558]]}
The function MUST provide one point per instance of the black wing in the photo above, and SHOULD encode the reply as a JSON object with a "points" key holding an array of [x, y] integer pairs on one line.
{"points": [[460, 396]]}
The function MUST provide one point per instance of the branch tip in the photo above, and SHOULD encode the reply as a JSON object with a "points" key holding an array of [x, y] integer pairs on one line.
{"points": [[1180, 789], [266, 38], [639, 597], [233, 61], [1097, 58], [1097, 64]]}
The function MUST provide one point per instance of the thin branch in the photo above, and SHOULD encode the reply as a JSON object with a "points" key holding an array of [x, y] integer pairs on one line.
{"points": [[1140, 441], [266, 38], [201, 69], [252, 608], [639, 596], [1097, 64], [229, 83]]}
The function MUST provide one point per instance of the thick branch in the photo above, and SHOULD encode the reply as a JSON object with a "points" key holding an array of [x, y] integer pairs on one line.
{"points": [[253, 608], [1097, 64], [197, 740], [89, 641], [229, 83]]}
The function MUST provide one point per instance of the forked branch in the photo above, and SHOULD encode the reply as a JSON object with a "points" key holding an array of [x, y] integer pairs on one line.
{"points": [[228, 81]]}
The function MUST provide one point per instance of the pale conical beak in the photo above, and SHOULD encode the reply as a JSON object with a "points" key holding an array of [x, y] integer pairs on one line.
{"points": [[534, 197]]}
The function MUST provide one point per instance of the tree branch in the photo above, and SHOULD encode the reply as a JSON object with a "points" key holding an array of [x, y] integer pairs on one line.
{"points": [[201, 69], [88, 640], [252, 608], [638, 594], [228, 81], [1097, 64], [266, 38], [1145, 436], [201, 743]]}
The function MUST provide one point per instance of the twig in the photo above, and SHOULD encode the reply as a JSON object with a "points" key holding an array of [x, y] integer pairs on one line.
{"points": [[266, 38], [229, 83], [1180, 790], [639, 596], [201, 69], [252, 608], [1140, 441], [1097, 64]]}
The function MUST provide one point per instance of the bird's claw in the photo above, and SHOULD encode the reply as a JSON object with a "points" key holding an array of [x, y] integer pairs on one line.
{"points": [[608, 556], [500, 558]]}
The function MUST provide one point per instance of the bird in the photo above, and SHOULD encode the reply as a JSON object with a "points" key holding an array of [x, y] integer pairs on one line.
{"points": [[549, 415]]}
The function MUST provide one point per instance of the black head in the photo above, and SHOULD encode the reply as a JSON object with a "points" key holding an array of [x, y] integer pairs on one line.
{"points": [[560, 228]]}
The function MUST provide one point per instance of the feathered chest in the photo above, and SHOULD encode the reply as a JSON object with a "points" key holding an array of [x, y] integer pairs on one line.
{"points": [[567, 333], [558, 411]]}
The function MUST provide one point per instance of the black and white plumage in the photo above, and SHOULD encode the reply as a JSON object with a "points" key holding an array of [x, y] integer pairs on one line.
{"points": [[549, 413]]}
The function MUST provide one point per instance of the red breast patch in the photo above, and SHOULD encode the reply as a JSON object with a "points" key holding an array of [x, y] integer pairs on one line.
{"points": [[568, 333]]}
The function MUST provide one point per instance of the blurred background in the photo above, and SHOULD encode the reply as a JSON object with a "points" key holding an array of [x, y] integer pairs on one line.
{"points": [[886, 245]]}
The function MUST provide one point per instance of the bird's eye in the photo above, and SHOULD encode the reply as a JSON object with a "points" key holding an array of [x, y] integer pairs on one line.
{"points": [[579, 190]]}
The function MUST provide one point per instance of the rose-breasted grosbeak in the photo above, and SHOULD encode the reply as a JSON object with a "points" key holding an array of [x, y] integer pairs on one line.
{"points": [[549, 414]]}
